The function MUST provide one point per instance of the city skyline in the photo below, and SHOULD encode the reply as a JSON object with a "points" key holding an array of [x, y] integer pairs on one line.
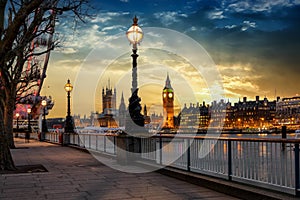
{"points": [[254, 47]]}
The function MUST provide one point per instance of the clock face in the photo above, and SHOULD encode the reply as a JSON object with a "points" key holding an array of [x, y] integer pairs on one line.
{"points": [[170, 95], [165, 95]]}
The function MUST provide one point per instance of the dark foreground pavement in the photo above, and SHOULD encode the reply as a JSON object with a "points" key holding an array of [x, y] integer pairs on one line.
{"points": [[74, 174]]}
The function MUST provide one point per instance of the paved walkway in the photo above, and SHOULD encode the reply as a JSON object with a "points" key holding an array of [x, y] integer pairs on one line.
{"points": [[75, 174]]}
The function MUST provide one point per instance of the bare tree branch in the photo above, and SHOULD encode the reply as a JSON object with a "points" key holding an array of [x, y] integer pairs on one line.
{"points": [[26, 35]]}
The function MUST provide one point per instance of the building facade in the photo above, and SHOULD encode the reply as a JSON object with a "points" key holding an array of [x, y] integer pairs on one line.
{"points": [[108, 117], [258, 114], [195, 116], [288, 111]]}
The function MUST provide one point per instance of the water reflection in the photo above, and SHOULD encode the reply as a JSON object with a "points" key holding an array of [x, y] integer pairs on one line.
{"points": [[263, 149], [254, 135], [224, 149]]}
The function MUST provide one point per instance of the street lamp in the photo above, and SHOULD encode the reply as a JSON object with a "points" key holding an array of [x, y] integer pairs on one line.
{"points": [[69, 127], [17, 116], [135, 36], [44, 122]]}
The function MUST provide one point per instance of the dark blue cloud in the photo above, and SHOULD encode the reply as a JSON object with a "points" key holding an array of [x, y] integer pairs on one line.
{"points": [[262, 33]]}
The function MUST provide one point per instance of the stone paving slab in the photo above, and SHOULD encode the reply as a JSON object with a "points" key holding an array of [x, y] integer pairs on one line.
{"points": [[74, 174]]}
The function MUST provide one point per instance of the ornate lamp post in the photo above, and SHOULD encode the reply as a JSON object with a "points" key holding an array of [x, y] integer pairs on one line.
{"points": [[44, 122], [69, 126], [135, 36], [27, 134], [17, 116], [29, 116]]}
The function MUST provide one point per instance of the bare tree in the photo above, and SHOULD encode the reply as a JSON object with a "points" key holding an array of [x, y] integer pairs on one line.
{"points": [[27, 24]]}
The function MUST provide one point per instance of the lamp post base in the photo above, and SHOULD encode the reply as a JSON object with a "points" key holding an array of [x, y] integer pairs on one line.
{"points": [[69, 128], [135, 120], [44, 130], [69, 125]]}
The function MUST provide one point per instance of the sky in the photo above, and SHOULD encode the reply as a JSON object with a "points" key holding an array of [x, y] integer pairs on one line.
{"points": [[212, 50]]}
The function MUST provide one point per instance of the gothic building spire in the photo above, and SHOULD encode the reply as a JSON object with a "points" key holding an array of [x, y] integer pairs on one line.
{"points": [[122, 107], [168, 82], [122, 98], [122, 112]]}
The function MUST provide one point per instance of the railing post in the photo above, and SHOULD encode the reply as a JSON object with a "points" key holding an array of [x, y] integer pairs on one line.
{"points": [[283, 136], [78, 140], [160, 150], [297, 184], [115, 144], [90, 143], [229, 160], [104, 144], [96, 142], [188, 155], [83, 140]]}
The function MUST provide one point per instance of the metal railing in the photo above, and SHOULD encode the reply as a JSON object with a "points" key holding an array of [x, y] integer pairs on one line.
{"points": [[266, 163], [91, 141]]}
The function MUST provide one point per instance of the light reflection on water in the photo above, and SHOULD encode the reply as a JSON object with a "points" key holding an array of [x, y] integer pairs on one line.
{"points": [[254, 135], [239, 146]]}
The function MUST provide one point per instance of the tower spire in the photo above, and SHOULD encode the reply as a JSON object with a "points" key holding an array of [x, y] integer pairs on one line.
{"points": [[122, 98], [145, 110], [168, 82]]}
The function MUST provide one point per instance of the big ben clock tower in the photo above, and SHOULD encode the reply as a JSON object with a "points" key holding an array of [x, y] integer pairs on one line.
{"points": [[168, 104]]}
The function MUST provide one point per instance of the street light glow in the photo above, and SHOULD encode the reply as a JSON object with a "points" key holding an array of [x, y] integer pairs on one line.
{"points": [[44, 103], [135, 33], [68, 86]]}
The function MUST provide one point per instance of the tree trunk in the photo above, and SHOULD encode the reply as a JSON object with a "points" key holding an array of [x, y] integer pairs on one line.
{"points": [[6, 161], [8, 119], [9, 129]]}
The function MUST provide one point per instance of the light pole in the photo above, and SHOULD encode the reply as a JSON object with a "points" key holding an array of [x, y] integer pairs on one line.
{"points": [[44, 122], [27, 135], [69, 125], [135, 36], [29, 116], [17, 116]]}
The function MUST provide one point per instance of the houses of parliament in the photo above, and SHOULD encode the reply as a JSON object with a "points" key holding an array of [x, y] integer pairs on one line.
{"points": [[257, 114], [113, 117]]}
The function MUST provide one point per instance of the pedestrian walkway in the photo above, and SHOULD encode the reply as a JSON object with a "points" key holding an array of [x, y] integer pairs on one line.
{"points": [[74, 174]]}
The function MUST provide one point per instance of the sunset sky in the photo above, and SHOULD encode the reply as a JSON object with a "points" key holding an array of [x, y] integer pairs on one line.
{"points": [[212, 49]]}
